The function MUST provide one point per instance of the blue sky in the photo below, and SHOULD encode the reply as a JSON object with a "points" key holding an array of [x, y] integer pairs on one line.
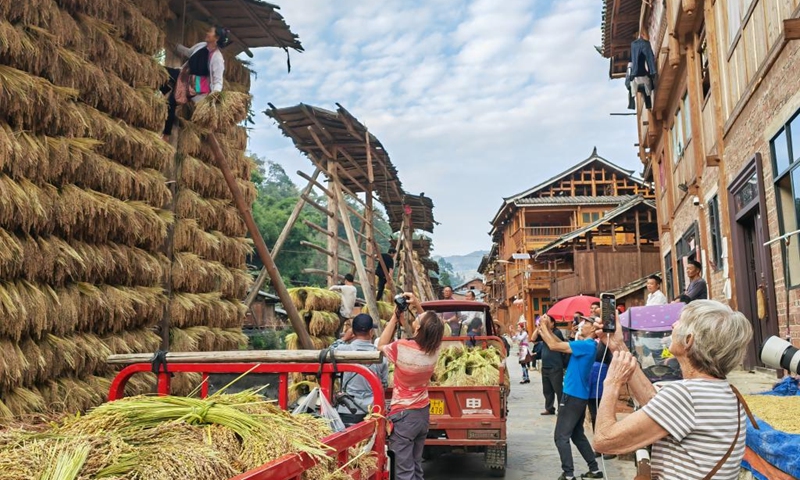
{"points": [[474, 100]]}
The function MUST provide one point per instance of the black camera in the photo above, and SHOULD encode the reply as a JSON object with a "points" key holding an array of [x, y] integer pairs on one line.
{"points": [[401, 302]]}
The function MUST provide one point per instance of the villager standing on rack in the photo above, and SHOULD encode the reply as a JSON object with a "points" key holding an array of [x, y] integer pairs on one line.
{"points": [[200, 75], [388, 260]]}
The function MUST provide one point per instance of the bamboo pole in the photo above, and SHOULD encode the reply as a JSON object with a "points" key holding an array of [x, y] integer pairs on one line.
{"points": [[261, 248], [333, 222], [369, 295], [249, 356], [298, 207]]}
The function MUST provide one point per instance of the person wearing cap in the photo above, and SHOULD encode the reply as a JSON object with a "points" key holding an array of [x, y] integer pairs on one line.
{"points": [[697, 288], [358, 338], [348, 292], [388, 260]]}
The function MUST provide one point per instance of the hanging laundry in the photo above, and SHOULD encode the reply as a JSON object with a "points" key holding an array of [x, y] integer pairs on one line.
{"points": [[641, 75]]}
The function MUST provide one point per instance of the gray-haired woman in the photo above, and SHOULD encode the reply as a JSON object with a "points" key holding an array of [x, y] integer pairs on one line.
{"points": [[691, 423]]}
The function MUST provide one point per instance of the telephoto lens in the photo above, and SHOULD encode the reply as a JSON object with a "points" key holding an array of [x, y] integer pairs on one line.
{"points": [[778, 353]]}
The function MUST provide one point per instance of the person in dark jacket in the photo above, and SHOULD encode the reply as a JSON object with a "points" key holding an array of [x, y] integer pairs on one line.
{"points": [[642, 73], [388, 260], [552, 372]]}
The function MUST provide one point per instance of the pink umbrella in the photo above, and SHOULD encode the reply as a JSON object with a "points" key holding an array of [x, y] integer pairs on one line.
{"points": [[563, 310]]}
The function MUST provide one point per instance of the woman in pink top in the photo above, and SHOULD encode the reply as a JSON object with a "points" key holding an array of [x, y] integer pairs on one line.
{"points": [[414, 360]]}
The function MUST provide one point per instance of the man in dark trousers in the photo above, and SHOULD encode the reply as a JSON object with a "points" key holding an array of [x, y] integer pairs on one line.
{"points": [[572, 409], [388, 260], [552, 372]]}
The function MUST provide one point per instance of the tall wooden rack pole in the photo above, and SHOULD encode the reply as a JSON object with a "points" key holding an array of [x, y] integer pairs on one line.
{"points": [[262, 276], [261, 247], [333, 224], [369, 295]]}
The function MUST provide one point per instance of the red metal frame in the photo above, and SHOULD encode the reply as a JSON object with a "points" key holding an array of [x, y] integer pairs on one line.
{"points": [[291, 466]]}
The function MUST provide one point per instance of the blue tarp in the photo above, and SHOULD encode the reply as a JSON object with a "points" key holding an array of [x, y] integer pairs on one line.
{"points": [[779, 449]]}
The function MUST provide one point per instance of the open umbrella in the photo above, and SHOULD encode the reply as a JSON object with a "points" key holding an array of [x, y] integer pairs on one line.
{"points": [[655, 318], [563, 310]]}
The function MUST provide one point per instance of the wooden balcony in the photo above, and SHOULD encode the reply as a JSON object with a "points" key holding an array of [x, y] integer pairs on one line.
{"points": [[603, 270], [531, 238]]}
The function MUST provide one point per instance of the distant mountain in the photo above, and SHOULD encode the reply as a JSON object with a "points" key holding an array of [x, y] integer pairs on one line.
{"points": [[464, 266]]}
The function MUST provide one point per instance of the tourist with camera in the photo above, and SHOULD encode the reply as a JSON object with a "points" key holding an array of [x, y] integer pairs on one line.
{"points": [[696, 425], [414, 360]]}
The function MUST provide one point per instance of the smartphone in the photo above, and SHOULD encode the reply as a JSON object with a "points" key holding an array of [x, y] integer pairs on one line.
{"points": [[608, 312]]}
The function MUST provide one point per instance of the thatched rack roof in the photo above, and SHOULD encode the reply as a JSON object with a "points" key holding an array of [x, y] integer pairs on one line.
{"points": [[620, 23], [338, 136], [253, 23]]}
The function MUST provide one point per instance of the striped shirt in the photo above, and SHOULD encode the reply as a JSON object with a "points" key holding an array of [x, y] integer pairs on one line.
{"points": [[701, 419], [412, 374]]}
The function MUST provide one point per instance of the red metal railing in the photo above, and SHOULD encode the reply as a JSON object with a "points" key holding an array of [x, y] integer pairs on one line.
{"points": [[290, 466]]}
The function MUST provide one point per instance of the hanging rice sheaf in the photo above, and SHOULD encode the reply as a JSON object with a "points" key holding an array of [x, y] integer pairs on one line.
{"points": [[85, 210]]}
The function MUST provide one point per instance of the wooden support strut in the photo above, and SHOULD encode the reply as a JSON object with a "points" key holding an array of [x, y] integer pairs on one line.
{"points": [[369, 295], [298, 324], [249, 356], [298, 207]]}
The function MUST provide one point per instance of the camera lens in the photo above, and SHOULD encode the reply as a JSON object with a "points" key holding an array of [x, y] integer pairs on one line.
{"points": [[778, 353]]}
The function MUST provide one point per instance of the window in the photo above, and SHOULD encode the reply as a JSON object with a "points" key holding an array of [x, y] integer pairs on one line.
{"points": [[681, 131], [705, 78], [716, 233], [786, 171], [668, 276], [587, 218], [734, 19], [590, 217], [686, 249]]}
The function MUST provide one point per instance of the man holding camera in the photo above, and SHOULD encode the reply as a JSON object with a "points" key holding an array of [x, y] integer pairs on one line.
{"points": [[574, 400]]}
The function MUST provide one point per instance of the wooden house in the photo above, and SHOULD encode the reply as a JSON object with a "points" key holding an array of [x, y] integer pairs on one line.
{"points": [[589, 229], [718, 143], [474, 285]]}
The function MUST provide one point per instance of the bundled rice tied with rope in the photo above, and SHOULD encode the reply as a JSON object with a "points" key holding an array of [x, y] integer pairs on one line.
{"points": [[385, 310], [461, 366], [222, 111], [293, 343], [313, 298], [163, 438], [322, 324]]}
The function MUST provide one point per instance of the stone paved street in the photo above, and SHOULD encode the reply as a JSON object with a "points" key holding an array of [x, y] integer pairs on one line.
{"points": [[531, 452]]}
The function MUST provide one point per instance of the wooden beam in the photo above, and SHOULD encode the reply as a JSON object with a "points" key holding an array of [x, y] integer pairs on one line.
{"points": [[314, 182], [369, 295], [319, 143], [322, 250], [298, 207], [316, 205], [791, 28], [263, 252], [325, 232], [249, 356], [638, 247], [246, 7], [333, 221]]}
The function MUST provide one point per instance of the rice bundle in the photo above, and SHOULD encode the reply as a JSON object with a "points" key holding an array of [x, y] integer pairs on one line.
{"points": [[165, 438], [461, 366], [221, 111], [385, 310], [779, 412], [313, 298], [321, 323]]}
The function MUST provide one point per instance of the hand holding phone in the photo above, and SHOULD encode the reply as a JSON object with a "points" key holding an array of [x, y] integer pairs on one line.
{"points": [[608, 312]]}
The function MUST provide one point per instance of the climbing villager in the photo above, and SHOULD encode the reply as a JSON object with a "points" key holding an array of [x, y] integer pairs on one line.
{"points": [[414, 361], [642, 73], [697, 288], [349, 293], [572, 410], [200, 75], [695, 425], [388, 260]]}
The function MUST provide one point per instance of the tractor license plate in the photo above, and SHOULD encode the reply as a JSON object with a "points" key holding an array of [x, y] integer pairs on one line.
{"points": [[437, 407]]}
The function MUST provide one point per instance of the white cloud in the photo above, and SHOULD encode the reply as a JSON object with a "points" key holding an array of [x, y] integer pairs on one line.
{"points": [[474, 100]]}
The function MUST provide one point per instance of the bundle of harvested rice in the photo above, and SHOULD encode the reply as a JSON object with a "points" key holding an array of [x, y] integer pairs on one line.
{"points": [[385, 310], [461, 366], [292, 343], [313, 298], [779, 412], [321, 323], [221, 111]]}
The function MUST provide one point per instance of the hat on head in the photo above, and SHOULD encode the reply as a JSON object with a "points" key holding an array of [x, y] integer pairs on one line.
{"points": [[363, 323]]}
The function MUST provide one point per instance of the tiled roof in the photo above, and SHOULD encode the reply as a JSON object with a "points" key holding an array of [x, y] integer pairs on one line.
{"points": [[577, 200]]}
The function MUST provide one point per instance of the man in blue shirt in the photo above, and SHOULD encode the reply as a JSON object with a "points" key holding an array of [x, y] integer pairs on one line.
{"points": [[572, 409], [359, 338]]}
